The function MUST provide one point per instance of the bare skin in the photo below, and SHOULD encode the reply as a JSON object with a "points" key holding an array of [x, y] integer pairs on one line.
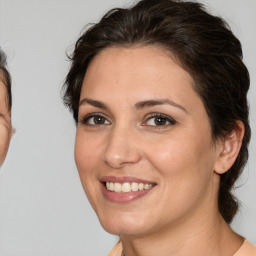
{"points": [[5, 123], [139, 117]]}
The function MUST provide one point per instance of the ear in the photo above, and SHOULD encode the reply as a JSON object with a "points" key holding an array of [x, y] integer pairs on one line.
{"points": [[228, 149]]}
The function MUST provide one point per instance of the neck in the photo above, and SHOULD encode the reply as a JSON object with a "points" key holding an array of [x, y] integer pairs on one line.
{"points": [[196, 235]]}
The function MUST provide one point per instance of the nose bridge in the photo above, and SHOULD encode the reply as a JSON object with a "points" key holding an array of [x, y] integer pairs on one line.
{"points": [[121, 147]]}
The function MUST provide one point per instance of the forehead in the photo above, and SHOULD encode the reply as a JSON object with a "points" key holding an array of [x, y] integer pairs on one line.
{"points": [[137, 73], [145, 66]]}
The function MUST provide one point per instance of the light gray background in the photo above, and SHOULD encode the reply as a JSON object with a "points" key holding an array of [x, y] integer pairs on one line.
{"points": [[43, 210]]}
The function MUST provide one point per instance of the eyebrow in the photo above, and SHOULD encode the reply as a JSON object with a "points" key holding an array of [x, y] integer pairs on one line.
{"points": [[95, 103], [138, 105], [151, 103]]}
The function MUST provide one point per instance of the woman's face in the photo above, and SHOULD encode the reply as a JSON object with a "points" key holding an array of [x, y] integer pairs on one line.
{"points": [[144, 149], [5, 123]]}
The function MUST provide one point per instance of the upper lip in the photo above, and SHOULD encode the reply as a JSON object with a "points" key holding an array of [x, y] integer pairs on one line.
{"points": [[125, 179]]}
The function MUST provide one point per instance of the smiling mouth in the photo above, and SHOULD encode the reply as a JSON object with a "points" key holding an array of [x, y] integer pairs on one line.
{"points": [[127, 187]]}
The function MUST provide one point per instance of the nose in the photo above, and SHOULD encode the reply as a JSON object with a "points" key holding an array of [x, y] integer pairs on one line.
{"points": [[121, 148]]}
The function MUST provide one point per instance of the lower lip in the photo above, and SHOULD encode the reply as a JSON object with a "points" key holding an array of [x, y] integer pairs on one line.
{"points": [[124, 197]]}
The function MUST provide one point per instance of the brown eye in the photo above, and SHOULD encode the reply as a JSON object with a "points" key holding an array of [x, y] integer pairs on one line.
{"points": [[99, 120], [159, 120], [95, 120]]}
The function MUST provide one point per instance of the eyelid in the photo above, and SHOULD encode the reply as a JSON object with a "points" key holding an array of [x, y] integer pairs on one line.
{"points": [[171, 120], [85, 118]]}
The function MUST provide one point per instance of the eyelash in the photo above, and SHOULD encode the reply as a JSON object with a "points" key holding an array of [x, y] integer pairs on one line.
{"points": [[166, 118], [171, 121], [85, 120]]}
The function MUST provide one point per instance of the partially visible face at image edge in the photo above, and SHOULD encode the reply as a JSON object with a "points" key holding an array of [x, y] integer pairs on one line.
{"points": [[5, 110]]}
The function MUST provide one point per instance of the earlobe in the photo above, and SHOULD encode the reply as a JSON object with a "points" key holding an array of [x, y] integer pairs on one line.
{"points": [[229, 149]]}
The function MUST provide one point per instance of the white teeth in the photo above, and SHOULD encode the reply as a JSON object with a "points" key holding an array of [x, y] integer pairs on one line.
{"points": [[146, 186], [141, 186], [117, 187], [135, 186], [111, 186], [126, 187]]}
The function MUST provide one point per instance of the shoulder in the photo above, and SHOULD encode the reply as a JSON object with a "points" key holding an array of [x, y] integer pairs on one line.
{"points": [[247, 249], [117, 250]]}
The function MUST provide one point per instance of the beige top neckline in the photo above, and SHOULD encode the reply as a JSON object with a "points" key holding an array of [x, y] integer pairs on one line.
{"points": [[247, 249]]}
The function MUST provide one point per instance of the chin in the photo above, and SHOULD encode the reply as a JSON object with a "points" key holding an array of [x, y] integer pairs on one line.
{"points": [[125, 229], [124, 224]]}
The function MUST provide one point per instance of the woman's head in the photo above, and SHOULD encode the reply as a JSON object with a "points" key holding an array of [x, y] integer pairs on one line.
{"points": [[5, 107], [201, 44]]}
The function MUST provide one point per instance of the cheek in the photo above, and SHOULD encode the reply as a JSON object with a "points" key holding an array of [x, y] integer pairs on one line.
{"points": [[87, 157], [185, 164], [188, 150], [4, 142], [86, 151]]}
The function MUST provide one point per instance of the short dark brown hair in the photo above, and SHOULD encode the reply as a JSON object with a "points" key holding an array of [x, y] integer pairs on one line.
{"points": [[204, 46], [5, 78]]}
